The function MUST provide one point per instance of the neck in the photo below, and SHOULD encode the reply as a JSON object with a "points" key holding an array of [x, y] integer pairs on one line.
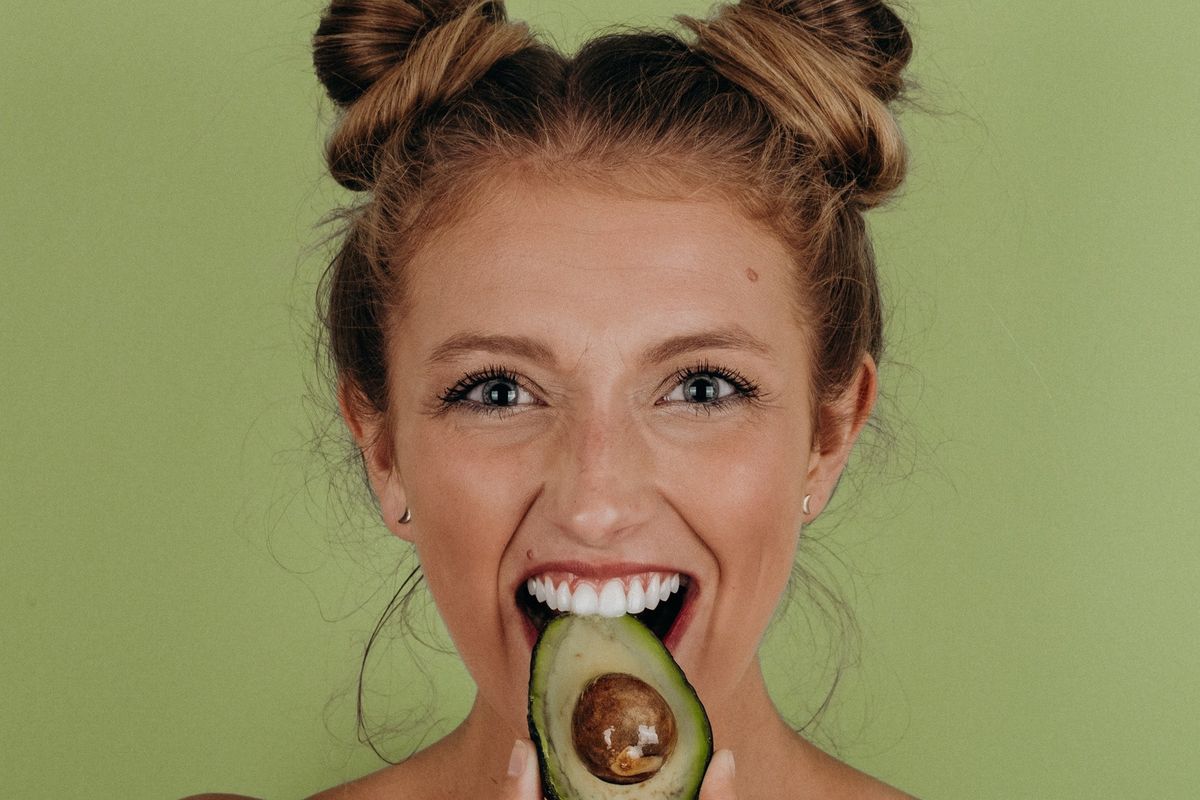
{"points": [[473, 759], [766, 750]]}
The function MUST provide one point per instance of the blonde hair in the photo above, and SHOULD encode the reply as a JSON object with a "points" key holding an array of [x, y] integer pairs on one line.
{"points": [[783, 106]]}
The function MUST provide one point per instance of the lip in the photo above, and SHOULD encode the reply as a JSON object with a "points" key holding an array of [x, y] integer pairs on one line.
{"points": [[616, 569], [683, 620], [593, 571]]}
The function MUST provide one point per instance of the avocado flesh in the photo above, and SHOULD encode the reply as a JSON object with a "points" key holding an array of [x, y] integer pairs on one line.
{"points": [[573, 650]]}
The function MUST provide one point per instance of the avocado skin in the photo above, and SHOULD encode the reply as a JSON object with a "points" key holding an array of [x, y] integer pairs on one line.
{"points": [[636, 637]]}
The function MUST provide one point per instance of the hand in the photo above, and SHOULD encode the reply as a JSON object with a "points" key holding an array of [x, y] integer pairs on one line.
{"points": [[522, 782], [718, 780]]}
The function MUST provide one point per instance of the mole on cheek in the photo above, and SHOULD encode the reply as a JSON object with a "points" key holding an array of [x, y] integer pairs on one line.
{"points": [[752, 275], [529, 554]]}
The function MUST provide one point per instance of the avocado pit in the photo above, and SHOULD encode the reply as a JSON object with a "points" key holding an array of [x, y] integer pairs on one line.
{"points": [[623, 730]]}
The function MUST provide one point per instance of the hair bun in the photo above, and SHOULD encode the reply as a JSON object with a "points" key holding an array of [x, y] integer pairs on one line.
{"points": [[826, 69], [867, 30], [385, 61], [360, 41]]}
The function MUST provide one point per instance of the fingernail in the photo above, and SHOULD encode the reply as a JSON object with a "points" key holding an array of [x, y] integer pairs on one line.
{"points": [[730, 767], [516, 762]]}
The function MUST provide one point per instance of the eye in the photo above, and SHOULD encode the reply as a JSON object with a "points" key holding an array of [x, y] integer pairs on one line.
{"points": [[709, 388], [492, 391], [702, 388], [499, 392]]}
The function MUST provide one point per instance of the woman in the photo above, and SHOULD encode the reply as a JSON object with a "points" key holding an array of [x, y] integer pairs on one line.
{"points": [[606, 320]]}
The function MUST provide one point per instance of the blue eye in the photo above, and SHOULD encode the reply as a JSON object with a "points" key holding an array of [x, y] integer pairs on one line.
{"points": [[708, 388], [500, 392], [702, 388], [497, 391], [492, 391]]}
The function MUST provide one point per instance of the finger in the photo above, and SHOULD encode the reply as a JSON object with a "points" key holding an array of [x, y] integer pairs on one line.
{"points": [[718, 780], [521, 782]]}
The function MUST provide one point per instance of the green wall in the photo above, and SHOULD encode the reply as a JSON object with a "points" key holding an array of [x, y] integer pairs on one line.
{"points": [[185, 598]]}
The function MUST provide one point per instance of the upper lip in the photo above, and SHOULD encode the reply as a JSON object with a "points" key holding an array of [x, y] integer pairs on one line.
{"points": [[596, 570]]}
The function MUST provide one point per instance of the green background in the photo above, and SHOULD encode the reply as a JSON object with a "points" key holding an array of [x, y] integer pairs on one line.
{"points": [[185, 597]]}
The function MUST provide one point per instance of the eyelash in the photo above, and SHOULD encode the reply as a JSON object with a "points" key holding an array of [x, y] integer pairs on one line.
{"points": [[455, 397], [744, 390]]}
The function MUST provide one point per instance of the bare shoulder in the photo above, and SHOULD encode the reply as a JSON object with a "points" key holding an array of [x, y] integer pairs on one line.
{"points": [[398, 780], [851, 784], [835, 780], [386, 784], [864, 787], [840, 781], [436, 773]]}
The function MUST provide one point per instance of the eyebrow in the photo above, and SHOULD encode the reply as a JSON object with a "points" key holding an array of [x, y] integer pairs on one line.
{"points": [[734, 337], [461, 344]]}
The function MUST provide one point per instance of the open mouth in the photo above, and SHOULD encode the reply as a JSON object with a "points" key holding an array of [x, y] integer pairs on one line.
{"points": [[655, 599]]}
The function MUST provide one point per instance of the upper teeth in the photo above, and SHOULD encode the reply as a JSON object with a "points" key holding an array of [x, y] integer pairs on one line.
{"points": [[611, 598]]}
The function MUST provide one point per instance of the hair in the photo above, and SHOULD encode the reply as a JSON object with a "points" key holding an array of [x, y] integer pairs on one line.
{"points": [[783, 107]]}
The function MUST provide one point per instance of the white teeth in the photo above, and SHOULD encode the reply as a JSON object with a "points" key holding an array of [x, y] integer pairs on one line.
{"points": [[611, 599], [652, 591], [584, 601], [635, 600]]}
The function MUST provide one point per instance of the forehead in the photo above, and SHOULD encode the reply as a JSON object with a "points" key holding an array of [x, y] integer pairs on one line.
{"points": [[577, 264]]}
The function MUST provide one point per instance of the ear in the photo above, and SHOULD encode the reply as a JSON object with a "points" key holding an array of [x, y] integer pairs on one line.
{"points": [[840, 423], [376, 449]]}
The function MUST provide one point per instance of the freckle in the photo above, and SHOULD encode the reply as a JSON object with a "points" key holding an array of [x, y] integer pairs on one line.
{"points": [[751, 274]]}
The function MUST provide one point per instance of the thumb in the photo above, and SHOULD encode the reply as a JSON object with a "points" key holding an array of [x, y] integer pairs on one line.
{"points": [[521, 782], [718, 780]]}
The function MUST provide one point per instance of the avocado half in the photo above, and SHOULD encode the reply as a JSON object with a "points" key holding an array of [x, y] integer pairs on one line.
{"points": [[574, 658]]}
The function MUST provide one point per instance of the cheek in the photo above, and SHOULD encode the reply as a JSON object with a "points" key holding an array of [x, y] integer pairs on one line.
{"points": [[742, 480], [463, 475], [469, 501], [741, 493]]}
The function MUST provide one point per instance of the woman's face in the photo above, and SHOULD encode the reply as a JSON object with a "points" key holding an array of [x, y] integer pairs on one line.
{"points": [[594, 390]]}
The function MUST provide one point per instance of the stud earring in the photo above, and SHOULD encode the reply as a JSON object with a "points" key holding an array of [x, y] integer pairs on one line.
{"points": [[804, 506], [407, 518]]}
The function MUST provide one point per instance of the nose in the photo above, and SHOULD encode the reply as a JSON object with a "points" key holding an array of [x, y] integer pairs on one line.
{"points": [[599, 481]]}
